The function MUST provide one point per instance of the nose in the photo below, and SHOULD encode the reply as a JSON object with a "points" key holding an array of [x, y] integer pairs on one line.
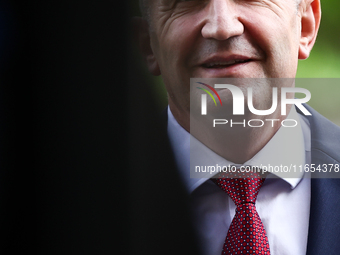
{"points": [[221, 20]]}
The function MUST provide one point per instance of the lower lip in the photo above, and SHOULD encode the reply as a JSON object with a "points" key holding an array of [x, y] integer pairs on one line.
{"points": [[236, 70]]}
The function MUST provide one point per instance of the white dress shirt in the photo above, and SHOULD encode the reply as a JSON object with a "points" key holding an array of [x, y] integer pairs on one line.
{"points": [[283, 204]]}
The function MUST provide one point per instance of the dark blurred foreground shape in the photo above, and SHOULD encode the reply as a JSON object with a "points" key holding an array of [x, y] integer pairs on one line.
{"points": [[160, 221], [61, 189], [85, 167]]}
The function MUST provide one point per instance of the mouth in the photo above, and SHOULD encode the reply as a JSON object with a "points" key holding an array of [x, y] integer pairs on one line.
{"points": [[224, 64], [219, 66]]}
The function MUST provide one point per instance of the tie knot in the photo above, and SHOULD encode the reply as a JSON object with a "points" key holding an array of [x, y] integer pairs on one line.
{"points": [[241, 187]]}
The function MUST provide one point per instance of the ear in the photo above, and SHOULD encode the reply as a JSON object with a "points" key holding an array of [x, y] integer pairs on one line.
{"points": [[310, 22], [142, 35]]}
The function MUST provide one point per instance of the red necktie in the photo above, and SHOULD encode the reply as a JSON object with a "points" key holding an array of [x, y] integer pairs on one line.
{"points": [[246, 234]]}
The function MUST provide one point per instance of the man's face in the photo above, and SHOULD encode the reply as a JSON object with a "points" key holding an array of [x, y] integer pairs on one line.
{"points": [[223, 38]]}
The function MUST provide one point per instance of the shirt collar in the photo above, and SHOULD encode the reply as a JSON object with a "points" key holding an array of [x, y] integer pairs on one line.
{"points": [[287, 147]]}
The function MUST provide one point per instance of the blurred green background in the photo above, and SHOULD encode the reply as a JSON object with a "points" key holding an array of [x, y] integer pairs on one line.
{"points": [[324, 62]]}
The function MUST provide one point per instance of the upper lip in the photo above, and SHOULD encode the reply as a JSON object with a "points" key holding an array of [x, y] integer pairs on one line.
{"points": [[227, 60]]}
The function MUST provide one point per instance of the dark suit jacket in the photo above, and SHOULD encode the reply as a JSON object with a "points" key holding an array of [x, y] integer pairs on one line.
{"points": [[324, 223]]}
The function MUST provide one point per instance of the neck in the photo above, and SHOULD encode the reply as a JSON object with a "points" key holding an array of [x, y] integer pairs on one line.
{"points": [[236, 141]]}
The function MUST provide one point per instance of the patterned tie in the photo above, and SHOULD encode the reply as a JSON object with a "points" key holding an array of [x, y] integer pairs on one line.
{"points": [[246, 234]]}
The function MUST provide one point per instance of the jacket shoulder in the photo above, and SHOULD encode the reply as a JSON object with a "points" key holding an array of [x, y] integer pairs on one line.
{"points": [[325, 137]]}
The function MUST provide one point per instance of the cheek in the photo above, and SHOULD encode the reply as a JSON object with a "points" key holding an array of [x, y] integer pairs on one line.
{"points": [[177, 50], [179, 41], [277, 38]]}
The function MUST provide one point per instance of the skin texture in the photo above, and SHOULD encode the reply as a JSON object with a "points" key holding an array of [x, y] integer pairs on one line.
{"points": [[181, 38]]}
